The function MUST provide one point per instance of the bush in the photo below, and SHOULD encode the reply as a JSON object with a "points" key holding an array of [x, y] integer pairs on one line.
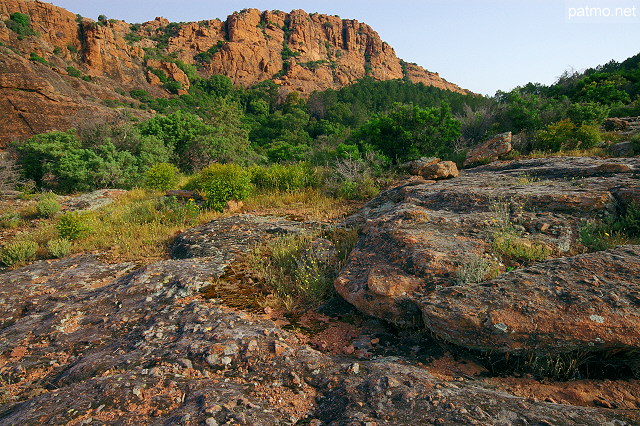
{"points": [[221, 183], [59, 247], [72, 226], [37, 58], [284, 177], [565, 135], [20, 24], [613, 230], [74, 72], [161, 176], [18, 252], [520, 249], [10, 220], [48, 206]]}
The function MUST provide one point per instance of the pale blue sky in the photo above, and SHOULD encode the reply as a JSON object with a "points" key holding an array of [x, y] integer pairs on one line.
{"points": [[482, 45]]}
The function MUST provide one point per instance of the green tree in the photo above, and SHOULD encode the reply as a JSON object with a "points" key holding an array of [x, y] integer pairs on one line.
{"points": [[408, 132]]}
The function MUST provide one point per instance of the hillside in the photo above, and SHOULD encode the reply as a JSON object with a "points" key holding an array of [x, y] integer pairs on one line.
{"points": [[59, 69]]}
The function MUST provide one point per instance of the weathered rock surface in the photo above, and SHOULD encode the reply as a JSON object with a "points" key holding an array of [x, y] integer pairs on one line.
{"points": [[560, 305], [329, 52], [82, 341], [222, 239], [416, 237], [490, 150]]}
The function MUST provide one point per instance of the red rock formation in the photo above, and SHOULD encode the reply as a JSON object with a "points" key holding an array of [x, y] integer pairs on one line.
{"points": [[299, 51]]}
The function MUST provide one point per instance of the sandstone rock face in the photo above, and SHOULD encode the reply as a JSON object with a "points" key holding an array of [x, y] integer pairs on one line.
{"points": [[82, 341], [490, 150], [322, 52], [416, 239]]}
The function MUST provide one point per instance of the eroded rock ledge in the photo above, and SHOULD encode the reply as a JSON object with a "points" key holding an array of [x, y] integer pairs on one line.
{"points": [[81, 340]]}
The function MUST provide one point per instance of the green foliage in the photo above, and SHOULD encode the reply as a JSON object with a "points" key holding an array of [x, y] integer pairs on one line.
{"points": [[520, 249], [290, 177], [10, 220], [588, 113], [565, 135], [20, 24], [161, 176], [207, 56], [37, 58], [298, 268], [48, 206], [132, 37], [72, 49], [102, 20], [18, 252], [172, 86], [59, 247], [614, 229], [72, 226], [110, 157], [220, 183], [287, 53], [409, 132], [74, 72]]}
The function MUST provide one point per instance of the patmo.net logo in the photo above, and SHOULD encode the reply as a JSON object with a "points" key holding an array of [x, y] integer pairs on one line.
{"points": [[600, 11]]}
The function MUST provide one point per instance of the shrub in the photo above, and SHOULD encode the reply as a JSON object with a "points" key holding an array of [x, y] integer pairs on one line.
{"points": [[284, 177], [72, 226], [220, 183], [613, 230], [299, 268], [74, 72], [37, 58], [161, 176], [59, 247], [474, 270], [521, 249], [18, 252], [20, 24], [565, 135], [10, 220], [48, 206]]}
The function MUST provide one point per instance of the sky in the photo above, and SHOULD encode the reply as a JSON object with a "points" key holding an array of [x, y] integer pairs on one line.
{"points": [[481, 45]]}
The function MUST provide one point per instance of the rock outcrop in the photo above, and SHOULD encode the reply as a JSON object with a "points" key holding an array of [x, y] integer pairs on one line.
{"points": [[83, 342], [417, 238], [490, 150], [299, 51]]}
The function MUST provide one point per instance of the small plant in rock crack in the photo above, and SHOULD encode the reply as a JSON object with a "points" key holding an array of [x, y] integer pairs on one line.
{"points": [[508, 241], [620, 228], [475, 270]]}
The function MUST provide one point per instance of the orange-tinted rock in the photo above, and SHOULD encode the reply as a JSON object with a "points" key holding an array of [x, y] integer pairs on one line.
{"points": [[326, 53], [441, 170], [491, 149]]}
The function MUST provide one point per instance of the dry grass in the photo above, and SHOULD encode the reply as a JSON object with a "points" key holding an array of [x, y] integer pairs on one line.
{"points": [[305, 204], [138, 227], [591, 152]]}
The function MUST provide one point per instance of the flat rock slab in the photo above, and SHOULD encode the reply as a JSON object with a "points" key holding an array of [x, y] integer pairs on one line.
{"points": [[223, 239], [586, 301], [417, 236], [105, 344]]}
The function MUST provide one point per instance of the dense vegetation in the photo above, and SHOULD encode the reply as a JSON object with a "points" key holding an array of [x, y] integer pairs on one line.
{"points": [[355, 133]]}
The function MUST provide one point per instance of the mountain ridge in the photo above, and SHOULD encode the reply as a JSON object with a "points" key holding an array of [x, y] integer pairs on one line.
{"points": [[99, 61]]}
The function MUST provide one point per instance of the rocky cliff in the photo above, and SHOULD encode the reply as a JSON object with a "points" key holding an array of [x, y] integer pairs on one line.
{"points": [[78, 65]]}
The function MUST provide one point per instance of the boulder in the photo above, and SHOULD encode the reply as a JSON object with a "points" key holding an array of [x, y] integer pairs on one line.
{"points": [[415, 167], [615, 124], [417, 237], [438, 171], [490, 150], [586, 302], [622, 149]]}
